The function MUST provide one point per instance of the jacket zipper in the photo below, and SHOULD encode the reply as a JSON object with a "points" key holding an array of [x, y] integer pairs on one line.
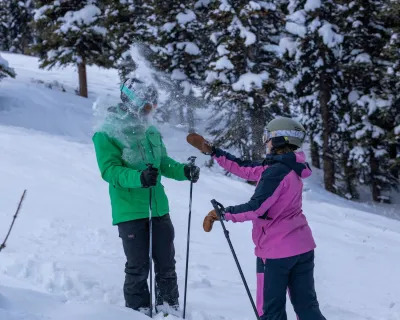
{"points": [[144, 160]]}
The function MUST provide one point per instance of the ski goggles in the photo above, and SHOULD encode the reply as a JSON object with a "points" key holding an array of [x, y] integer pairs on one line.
{"points": [[133, 97], [268, 135], [138, 102]]}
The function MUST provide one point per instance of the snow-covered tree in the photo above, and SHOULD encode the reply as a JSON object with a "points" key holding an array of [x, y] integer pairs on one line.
{"points": [[174, 30], [4, 26], [373, 113], [5, 70], [126, 65], [314, 45], [16, 32], [71, 33], [392, 18], [244, 73], [21, 32], [123, 21]]}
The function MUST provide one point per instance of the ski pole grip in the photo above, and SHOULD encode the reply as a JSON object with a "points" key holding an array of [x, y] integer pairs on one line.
{"points": [[219, 208], [192, 160]]}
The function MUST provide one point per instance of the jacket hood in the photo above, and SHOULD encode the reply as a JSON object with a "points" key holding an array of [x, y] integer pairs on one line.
{"points": [[294, 160]]}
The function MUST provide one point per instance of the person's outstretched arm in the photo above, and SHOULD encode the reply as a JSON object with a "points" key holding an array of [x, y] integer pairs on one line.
{"points": [[246, 169], [266, 194]]}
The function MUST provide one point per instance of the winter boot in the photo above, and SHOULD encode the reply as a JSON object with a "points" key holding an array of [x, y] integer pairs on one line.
{"points": [[166, 309]]}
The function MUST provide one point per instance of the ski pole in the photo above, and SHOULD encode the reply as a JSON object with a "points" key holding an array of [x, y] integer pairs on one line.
{"points": [[191, 163], [220, 210], [3, 245], [150, 166]]}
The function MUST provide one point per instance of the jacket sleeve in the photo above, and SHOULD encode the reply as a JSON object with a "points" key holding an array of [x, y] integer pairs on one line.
{"points": [[109, 160], [171, 168], [249, 170], [266, 194]]}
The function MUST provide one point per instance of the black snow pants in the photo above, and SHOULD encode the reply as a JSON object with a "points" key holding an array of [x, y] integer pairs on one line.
{"points": [[135, 240], [295, 274]]}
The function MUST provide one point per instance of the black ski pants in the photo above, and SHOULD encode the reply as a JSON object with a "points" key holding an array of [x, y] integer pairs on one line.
{"points": [[295, 274], [135, 240]]}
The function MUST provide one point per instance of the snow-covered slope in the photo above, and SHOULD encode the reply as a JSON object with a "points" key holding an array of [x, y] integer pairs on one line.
{"points": [[64, 259]]}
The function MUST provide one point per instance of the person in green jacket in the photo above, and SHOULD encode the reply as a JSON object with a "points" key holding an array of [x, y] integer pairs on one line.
{"points": [[125, 145]]}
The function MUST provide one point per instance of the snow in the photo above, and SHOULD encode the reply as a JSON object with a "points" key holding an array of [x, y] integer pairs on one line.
{"points": [[187, 87], [190, 48], [319, 63], [64, 259], [224, 6], [202, 3], [298, 17], [363, 58], [249, 81], [255, 5], [168, 27], [224, 63], [3, 62], [329, 36], [248, 36], [287, 44], [99, 30], [186, 17], [73, 20], [296, 29], [397, 129], [273, 48], [39, 13], [311, 5], [353, 96], [213, 76], [178, 74], [222, 50], [372, 102]]}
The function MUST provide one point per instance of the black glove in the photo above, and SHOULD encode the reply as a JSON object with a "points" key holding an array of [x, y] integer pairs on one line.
{"points": [[148, 178], [192, 173]]}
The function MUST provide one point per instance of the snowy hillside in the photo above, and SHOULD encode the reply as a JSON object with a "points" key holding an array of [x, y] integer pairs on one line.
{"points": [[64, 259]]}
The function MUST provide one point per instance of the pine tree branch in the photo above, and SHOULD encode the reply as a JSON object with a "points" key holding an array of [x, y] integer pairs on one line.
{"points": [[3, 245]]}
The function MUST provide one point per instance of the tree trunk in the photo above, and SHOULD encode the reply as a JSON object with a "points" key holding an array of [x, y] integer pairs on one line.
{"points": [[329, 165], [315, 160], [349, 176], [393, 150], [374, 165], [83, 89]]}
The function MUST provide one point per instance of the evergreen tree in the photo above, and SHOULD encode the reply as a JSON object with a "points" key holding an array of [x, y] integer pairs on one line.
{"points": [[392, 17], [373, 109], [5, 70], [244, 73], [122, 20], [314, 46], [126, 65], [72, 34], [21, 32], [174, 32], [4, 26]]}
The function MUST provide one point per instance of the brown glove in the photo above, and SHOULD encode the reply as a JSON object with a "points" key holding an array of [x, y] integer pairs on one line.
{"points": [[200, 143], [209, 221]]}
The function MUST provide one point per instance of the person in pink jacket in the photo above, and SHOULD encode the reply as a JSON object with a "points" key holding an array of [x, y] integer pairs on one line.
{"points": [[284, 244]]}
